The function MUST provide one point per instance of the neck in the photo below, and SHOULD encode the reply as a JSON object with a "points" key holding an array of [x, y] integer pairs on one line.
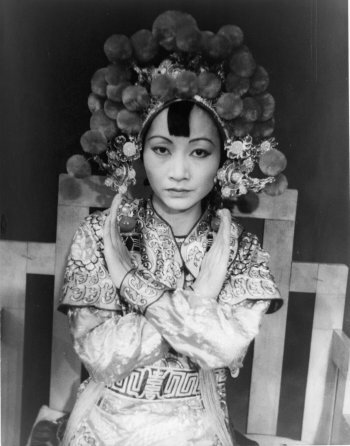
{"points": [[180, 221]]}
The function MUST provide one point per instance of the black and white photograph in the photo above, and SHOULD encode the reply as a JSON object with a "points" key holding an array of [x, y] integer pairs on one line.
{"points": [[174, 223]]}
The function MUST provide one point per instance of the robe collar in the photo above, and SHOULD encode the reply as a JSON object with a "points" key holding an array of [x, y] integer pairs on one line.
{"points": [[159, 247]]}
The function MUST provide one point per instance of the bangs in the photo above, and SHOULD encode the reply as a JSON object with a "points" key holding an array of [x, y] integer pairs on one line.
{"points": [[178, 121], [179, 118]]}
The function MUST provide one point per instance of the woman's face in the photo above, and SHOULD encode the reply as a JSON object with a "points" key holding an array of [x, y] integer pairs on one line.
{"points": [[181, 170]]}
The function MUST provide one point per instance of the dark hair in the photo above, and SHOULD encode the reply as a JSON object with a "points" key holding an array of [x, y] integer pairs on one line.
{"points": [[179, 121], [179, 118]]}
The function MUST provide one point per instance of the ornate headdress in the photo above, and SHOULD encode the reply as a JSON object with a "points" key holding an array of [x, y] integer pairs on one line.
{"points": [[177, 61]]}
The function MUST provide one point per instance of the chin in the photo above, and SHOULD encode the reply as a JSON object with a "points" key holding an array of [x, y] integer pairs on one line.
{"points": [[181, 204]]}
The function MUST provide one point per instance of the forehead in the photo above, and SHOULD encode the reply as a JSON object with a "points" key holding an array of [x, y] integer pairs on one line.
{"points": [[200, 123]]}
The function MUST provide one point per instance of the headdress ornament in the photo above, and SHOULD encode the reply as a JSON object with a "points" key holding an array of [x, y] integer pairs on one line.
{"points": [[177, 61]]}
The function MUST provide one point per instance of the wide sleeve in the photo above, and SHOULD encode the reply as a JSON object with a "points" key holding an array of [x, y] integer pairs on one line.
{"points": [[87, 281], [110, 345], [210, 333], [109, 342], [213, 333], [204, 330], [249, 277]]}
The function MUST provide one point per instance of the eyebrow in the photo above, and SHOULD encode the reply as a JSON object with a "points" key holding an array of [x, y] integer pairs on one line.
{"points": [[202, 138], [159, 136]]}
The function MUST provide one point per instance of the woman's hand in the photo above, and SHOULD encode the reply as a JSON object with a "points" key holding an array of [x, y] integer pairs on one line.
{"points": [[214, 266], [116, 254]]}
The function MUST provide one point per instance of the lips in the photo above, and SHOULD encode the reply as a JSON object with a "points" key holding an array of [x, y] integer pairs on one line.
{"points": [[173, 189], [178, 192]]}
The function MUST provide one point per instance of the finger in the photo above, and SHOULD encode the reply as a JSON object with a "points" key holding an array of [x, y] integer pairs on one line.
{"points": [[114, 229], [225, 225], [222, 239], [222, 246], [109, 238], [107, 230], [114, 209]]}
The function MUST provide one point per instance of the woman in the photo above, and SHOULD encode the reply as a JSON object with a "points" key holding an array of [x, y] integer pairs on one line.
{"points": [[164, 295]]}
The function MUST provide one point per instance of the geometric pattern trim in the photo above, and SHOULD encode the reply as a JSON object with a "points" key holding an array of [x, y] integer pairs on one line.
{"points": [[152, 383]]}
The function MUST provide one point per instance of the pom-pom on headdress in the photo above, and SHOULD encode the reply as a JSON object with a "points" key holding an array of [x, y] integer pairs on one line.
{"points": [[177, 61]]}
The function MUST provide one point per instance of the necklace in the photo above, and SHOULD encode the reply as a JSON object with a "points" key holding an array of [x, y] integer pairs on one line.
{"points": [[179, 239]]}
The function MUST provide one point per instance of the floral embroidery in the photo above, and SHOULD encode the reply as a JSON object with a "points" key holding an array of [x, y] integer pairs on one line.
{"points": [[153, 248], [141, 289]]}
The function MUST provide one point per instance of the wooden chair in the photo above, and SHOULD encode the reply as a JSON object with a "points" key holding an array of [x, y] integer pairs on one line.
{"points": [[327, 401], [326, 411]]}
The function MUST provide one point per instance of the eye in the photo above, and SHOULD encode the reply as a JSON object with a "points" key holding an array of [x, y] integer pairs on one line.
{"points": [[200, 153], [160, 150]]}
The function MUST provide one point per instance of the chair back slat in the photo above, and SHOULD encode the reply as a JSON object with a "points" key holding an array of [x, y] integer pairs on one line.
{"points": [[17, 259], [322, 374], [279, 214], [65, 365], [341, 360], [269, 344]]}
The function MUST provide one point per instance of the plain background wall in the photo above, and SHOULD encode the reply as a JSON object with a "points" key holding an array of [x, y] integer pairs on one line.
{"points": [[51, 48]]}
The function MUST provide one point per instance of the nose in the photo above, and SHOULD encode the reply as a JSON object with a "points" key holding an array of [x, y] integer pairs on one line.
{"points": [[179, 168]]}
